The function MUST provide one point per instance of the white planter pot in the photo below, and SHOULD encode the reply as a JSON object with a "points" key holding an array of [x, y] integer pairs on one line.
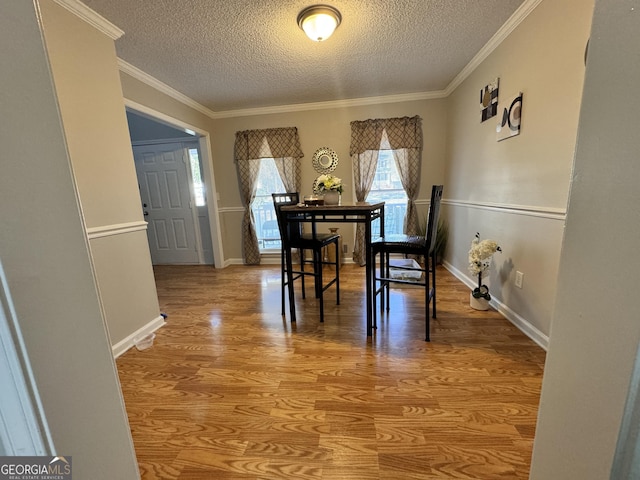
{"points": [[331, 197], [478, 303]]}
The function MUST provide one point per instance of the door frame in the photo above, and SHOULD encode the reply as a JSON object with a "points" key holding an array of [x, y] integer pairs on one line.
{"points": [[204, 140]]}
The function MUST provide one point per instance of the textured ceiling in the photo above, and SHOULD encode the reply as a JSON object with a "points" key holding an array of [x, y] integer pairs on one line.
{"points": [[237, 54]]}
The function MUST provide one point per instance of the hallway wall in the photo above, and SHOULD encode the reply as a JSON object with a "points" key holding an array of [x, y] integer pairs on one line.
{"points": [[84, 69]]}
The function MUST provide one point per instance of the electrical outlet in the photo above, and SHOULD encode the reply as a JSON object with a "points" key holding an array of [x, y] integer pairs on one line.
{"points": [[519, 279]]}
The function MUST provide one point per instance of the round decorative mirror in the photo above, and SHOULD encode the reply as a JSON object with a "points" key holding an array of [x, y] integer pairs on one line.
{"points": [[324, 160]]}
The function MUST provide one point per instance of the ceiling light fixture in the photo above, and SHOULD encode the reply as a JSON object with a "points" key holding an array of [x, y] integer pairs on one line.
{"points": [[319, 21]]}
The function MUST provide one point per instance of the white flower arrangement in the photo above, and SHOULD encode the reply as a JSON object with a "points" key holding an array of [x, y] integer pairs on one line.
{"points": [[328, 182], [480, 261]]}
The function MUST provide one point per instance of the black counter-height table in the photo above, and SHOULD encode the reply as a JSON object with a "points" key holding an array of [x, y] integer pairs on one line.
{"points": [[363, 212]]}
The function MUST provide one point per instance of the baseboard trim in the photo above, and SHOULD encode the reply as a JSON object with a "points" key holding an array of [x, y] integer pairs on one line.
{"points": [[520, 322], [128, 342]]}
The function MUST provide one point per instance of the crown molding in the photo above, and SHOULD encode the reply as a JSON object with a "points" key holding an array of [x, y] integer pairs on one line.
{"points": [[354, 102], [138, 74], [509, 26], [91, 17]]}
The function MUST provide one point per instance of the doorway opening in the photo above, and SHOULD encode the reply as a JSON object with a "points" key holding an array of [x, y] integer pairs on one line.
{"points": [[177, 188]]}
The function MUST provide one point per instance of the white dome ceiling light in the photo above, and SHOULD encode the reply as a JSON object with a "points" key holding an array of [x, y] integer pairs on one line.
{"points": [[319, 21]]}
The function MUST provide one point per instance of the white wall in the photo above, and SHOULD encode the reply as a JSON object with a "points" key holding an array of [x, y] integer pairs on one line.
{"points": [[515, 191], [44, 250], [596, 329]]}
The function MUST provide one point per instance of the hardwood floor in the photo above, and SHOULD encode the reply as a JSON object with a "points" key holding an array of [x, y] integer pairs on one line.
{"points": [[231, 390]]}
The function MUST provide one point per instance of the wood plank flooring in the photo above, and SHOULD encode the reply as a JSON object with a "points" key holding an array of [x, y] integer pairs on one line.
{"points": [[231, 390]]}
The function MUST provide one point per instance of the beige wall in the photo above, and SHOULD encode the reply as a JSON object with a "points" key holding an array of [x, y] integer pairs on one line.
{"points": [[328, 127], [515, 191], [85, 73], [323, 128], [45, 256], [595, 330]]}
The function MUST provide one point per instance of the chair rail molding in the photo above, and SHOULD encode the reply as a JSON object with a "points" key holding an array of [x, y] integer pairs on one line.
{"points": [[116, 229], [528, 210]]}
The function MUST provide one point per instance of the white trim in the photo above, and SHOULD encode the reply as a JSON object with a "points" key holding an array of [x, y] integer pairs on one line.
{"points": [[116, 229], [94, 19], [516, 19], [157, 116], [509, 26], [176, 95], [138, 74], [232, 210], [162, 141], [532, 211], [128, 342], [354, 102], [521, 323]]}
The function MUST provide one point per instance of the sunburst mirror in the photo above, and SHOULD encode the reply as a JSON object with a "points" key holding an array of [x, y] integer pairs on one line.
{"points": [[324, 160]]}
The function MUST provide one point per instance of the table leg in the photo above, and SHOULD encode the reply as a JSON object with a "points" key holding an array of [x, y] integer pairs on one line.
{"points": [[369, 276]]}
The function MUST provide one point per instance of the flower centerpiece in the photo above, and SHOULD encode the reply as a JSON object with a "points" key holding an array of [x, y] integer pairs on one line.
{"points": [[479, 262], [330, 187], [327, 182]]}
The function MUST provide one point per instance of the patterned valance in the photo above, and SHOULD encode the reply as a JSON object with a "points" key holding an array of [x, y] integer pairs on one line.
{"points": [[403, 132], [267, 143]]}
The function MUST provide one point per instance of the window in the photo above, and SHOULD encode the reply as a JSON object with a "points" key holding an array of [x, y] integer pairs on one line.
{"points": [[264, 214], [387, 188], [196, 175]]}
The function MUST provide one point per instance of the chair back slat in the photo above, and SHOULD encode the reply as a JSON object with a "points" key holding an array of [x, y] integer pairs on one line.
{"points": [[434, 215], [295, 229]]}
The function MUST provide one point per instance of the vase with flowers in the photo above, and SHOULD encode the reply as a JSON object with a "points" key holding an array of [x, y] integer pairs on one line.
{"points": [[479, 262], [330, 187]]}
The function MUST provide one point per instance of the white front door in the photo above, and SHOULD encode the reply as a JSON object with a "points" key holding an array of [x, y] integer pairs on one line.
{"points": [[163, 176]]}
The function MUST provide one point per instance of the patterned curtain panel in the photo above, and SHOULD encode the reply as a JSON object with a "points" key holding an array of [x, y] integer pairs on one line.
{"points": [[364, 171], [408, 164], [289, 170], [281, 144], [405, 139], [403, 132]]}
